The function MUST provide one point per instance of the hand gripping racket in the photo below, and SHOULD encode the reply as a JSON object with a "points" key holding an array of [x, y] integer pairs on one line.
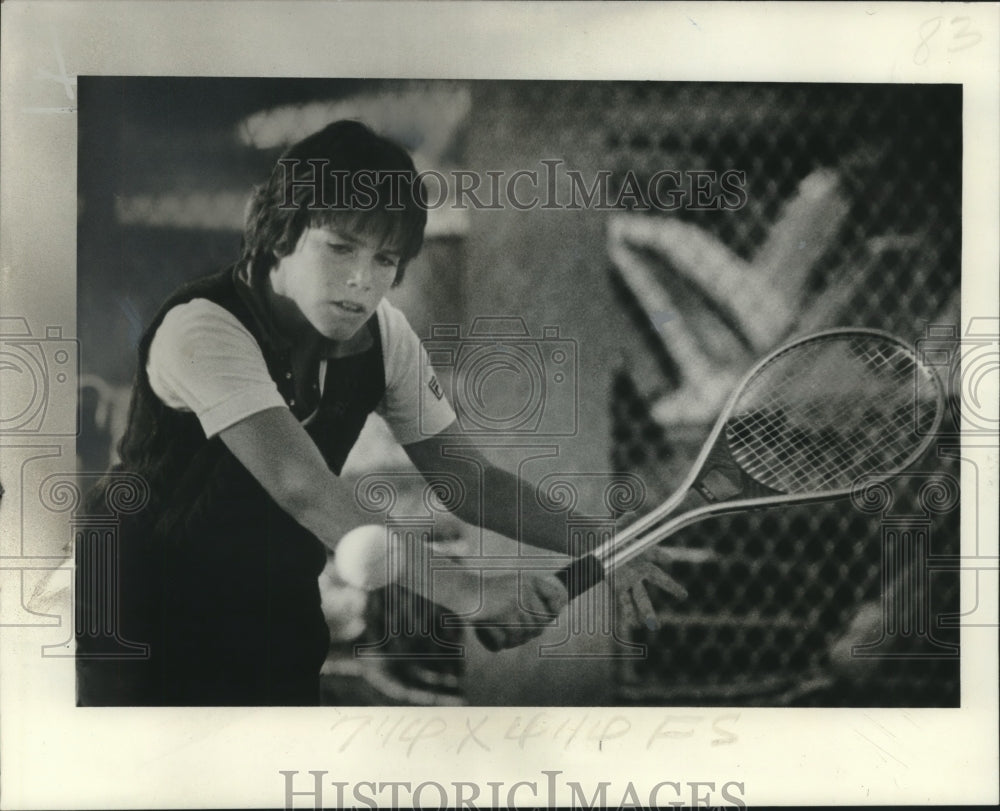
{"points": [[804, 425]]}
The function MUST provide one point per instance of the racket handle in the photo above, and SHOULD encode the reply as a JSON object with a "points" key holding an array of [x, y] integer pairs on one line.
{"points": [[581, 575]]}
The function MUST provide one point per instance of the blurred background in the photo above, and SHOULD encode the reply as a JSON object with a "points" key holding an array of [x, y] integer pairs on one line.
{"points": [[851, 216]]}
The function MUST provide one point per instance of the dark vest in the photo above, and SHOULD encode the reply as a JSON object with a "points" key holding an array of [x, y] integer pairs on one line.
{"points": [[218, 579]]}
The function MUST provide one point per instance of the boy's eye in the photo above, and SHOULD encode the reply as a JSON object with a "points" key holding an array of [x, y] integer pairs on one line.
{"points": [[387, 261], [340, 248]]}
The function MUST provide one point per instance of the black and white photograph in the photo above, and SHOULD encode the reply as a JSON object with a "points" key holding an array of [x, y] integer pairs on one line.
{"points": [[404, 424], [594, 266]]}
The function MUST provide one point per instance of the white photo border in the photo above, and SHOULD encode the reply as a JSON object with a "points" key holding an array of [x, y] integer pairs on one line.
{"points": [[56, 755]]}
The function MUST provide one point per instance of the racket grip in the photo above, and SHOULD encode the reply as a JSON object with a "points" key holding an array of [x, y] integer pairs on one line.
{"points": [[581, 575]]}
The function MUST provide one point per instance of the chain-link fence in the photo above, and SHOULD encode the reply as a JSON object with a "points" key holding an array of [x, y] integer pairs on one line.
{"points": [[867, 182]]}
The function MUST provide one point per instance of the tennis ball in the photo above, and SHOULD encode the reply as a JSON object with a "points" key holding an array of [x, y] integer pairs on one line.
{"points": [[361, 557], [343, 606]]}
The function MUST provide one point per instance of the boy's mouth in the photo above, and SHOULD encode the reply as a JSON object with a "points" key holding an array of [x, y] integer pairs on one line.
{"points": [[350, 307]]}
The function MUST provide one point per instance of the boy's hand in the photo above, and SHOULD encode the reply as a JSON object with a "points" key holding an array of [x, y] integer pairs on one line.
{"points": [[631, 581], [516, 610]]}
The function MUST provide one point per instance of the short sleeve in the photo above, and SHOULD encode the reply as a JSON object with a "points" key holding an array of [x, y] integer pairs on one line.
{"points": [[414, 406], [203, 360]]}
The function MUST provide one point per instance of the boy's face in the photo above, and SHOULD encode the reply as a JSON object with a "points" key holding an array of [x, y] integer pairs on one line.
{"points": [[334, 279]]}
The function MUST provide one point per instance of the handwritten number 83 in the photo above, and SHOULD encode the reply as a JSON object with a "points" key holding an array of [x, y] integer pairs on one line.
{"points": [[961, 37]]}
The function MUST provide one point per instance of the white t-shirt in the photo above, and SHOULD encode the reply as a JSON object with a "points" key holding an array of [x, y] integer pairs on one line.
{"points": [[203, 360]]}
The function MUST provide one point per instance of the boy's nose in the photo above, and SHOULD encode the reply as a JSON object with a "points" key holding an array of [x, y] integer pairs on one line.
{"points": [[360, 276]]}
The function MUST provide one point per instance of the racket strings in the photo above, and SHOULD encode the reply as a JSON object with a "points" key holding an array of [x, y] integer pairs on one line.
{"points": [[846, 448], [825, 450], [827, 412], [821, 456]]}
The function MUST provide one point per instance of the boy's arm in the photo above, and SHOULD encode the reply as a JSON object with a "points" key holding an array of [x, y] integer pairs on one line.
{"points": [[283, 458], [278, 452]]}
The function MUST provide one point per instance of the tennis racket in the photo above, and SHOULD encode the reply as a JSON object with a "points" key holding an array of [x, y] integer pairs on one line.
{"points": [[804, 425]]}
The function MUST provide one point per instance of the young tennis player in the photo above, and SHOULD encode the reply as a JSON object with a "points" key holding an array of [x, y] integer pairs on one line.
{"points": [[252, 387]]}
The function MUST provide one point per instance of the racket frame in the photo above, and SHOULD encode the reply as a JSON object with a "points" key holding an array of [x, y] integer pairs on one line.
{"points": [[650, 529]]}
